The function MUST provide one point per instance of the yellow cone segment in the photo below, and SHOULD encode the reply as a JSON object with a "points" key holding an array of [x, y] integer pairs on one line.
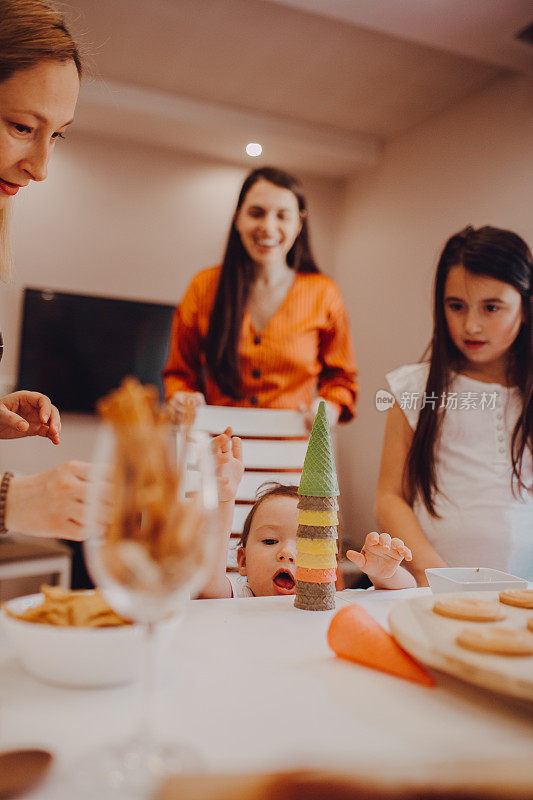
{"points": [[322, 518], [317, 560], [323, 546]]}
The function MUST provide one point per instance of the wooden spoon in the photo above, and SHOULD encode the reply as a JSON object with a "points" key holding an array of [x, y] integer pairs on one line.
{"points": [[20, 770]]}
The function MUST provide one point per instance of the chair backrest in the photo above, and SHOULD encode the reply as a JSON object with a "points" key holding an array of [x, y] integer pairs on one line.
{"points": [[274, 447]]}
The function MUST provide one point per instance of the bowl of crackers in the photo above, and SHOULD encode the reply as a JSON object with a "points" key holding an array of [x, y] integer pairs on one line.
{"points": [[472, 579], [74, 638]]}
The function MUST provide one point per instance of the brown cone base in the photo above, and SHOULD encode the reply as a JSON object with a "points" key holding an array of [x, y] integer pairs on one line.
{"points": [[314, 596], [318, 503], [317, 531]]}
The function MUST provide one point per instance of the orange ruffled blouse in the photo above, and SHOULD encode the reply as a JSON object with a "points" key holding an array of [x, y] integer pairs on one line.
{"points": [[304, 350]]}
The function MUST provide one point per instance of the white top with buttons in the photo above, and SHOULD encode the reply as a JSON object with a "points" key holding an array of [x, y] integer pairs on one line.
{"points": [[482, 523]]}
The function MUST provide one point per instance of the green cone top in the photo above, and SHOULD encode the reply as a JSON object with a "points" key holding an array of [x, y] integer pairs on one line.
{"points": [[319, 477]]}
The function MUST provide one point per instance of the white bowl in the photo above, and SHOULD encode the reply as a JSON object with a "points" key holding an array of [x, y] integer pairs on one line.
{"points": [[471, 579], [81, 657]]}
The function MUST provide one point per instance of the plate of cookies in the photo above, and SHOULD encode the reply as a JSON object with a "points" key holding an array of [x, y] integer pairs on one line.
{"points": [[485, 638]]}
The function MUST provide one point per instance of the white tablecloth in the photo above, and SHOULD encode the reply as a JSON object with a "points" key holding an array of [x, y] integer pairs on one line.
{"points": [[252, 684]]}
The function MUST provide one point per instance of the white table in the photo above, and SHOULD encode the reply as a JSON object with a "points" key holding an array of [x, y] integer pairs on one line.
{"points": [[252, 684]]}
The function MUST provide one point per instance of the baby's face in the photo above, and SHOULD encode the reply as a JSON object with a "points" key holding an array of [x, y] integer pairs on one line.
{"points": [[269, 558]]}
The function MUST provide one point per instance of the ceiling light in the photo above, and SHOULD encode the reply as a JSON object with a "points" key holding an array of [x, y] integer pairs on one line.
{"points": [[254, 149]]}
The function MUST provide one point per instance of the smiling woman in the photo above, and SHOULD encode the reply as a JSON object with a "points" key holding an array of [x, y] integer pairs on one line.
{"points": [[40, 71], [40, 68], [29, 133], [266, 329]]}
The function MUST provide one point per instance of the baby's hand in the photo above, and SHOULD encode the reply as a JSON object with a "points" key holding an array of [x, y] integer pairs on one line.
{"points": [[229, 466], [380, 555], [181, 403]]}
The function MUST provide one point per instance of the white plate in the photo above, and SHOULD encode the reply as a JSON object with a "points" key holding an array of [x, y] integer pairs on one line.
{"points": [[472, 579], [430, 638], [82, 657]]}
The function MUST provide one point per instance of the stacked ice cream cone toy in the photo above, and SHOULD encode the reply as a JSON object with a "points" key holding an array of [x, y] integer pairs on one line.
{"points": [[316, 543]]}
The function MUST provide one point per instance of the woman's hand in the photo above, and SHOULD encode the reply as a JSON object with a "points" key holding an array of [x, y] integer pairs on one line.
{"points": [[52, 503], [229, 466], [29, 414], [380, 555], [181, 402], [332, 410]]}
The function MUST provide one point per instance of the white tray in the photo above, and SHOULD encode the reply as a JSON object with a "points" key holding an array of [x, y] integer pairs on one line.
{"points": [[430, 638], [472, 579]]}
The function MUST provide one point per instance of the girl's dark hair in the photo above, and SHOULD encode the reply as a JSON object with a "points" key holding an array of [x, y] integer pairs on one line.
{"points": [[266, 490], [502, 255], [236, 278]]}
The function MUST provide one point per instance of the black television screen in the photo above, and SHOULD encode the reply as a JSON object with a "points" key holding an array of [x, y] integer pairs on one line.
{"points": [[75, 348]]}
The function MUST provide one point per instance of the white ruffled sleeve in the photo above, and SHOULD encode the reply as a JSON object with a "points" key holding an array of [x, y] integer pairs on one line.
{"points": [[239, 586], [408, 384]]}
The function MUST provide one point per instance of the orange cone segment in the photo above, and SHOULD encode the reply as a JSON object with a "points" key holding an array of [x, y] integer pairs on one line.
{"points": [[355, 635]]}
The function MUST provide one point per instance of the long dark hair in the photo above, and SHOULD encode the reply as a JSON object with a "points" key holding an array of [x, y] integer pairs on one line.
{"points": [[236, 278], [502, 255]]}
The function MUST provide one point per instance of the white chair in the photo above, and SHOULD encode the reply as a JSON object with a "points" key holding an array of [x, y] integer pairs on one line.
{"points": [[274, 447]]}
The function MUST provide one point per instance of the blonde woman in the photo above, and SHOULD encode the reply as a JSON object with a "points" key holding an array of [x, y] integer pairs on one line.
{"points": [[40, 70]]}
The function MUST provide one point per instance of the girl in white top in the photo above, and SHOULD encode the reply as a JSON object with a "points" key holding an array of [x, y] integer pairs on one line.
{"points": [[456, 478]]}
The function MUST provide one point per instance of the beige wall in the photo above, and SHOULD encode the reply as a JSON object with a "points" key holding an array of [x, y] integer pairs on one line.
{"points": [[124, 220], [129, 221], [473, 164]]}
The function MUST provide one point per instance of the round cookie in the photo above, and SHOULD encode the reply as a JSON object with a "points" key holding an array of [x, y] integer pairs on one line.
{"points": [[523, 598], [530, 624], [469, 608], [502, 641]]}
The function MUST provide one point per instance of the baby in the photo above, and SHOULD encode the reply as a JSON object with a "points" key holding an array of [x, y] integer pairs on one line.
{"points": [[267, 550]]}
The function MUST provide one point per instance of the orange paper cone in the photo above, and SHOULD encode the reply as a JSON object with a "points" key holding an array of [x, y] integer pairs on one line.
{"points": [[355, 635]]}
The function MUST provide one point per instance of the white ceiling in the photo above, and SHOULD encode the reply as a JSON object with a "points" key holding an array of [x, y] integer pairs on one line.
{"points": [[322, 85], [479, 29]]}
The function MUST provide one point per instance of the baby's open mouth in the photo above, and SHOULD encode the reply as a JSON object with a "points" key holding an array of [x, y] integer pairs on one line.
{"points": [[284, 582]]}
